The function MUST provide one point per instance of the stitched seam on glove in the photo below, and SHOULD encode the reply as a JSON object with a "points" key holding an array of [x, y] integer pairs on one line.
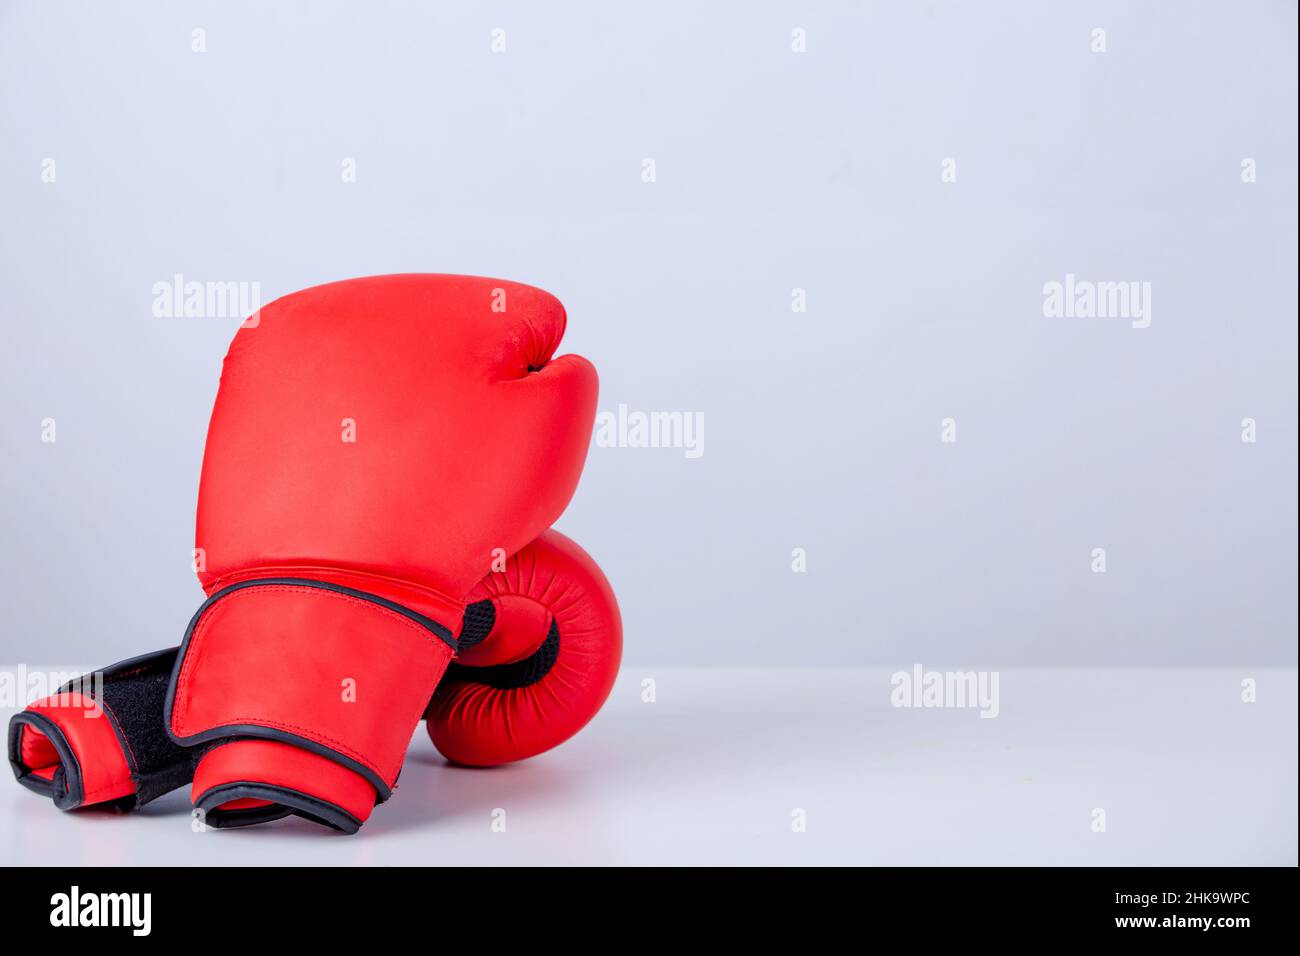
{"points": [[325, 573], [121, 738], [86, 796]]}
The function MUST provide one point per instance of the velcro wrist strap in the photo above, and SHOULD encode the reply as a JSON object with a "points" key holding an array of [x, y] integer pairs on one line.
{"points": [[336, 671]]}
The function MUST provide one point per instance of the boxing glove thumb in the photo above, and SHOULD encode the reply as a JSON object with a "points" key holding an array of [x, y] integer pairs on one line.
{"points": [[540, 650]]}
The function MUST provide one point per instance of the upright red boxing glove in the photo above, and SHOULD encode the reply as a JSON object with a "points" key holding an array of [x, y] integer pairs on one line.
{"points": [[373, 442], [545, 632]]}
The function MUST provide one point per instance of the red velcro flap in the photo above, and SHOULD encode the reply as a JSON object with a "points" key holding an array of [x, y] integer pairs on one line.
{"points": [[329, 669]]}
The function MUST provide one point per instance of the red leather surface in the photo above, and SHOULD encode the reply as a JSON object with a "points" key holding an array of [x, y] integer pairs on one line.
{"points": [[282, 765], [105, 774], [459, 448], [37, 753], [475, 724], [520, 628], [469, 437], [245, 803], [313, 663]]}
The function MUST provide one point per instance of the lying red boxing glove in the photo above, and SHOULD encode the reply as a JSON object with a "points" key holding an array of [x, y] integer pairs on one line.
{"points": [[372, 444], [539, 653], [545, 630]]}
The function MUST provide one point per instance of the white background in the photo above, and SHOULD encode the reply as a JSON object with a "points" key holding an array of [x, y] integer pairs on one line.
{"points": [[775, 171]]}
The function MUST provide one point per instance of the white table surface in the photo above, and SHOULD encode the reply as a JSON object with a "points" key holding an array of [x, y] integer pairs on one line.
{"points": [[712, 771]]}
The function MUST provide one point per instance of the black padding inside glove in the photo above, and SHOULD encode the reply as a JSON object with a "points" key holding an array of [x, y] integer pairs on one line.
{"points": [[480, 617]]}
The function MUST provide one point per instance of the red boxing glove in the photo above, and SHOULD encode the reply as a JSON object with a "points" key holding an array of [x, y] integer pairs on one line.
{"points": [[372, 443], [104, 743], [100, 738], [539, 653]]}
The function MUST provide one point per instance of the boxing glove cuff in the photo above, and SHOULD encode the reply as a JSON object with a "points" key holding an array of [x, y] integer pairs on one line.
{"points": [[96, 740], [246, 782], [363, 666]]}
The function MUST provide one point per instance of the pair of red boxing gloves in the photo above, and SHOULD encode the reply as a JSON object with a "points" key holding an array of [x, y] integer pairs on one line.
{"points": [[383, 463]]}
